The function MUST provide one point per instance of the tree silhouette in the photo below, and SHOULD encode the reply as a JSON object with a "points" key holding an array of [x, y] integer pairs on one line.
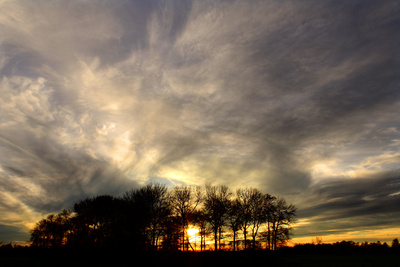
{"points": [[153, 217], [54, 231], [395, 244], [96, 219], [246, 198], [155, 208], [172, 234], [282, 217], [216, 207], [184, 201], [260, 208], [235, 219], [200, 220]]}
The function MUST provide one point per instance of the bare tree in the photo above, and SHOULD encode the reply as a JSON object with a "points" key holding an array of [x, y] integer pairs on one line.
{"points": [[246, 198], [260, 206], [268, 206], [184, 201], [200, 220], [235, 219], [282, 218], [216, 206], [153, 199]]}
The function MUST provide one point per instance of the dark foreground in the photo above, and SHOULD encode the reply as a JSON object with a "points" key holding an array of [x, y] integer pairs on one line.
{"points": [[99, 258]]}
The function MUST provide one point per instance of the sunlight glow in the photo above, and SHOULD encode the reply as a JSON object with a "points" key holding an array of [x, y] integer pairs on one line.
{"points": [[383, 235], [193, 237], [321, 169], [192, 232]]}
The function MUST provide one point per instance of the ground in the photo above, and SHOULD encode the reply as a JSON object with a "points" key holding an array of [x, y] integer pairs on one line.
{"points": [[209, 259]]}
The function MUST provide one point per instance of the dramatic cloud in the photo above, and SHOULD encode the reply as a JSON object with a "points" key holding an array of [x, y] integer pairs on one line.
{"points": [[298, 98]]}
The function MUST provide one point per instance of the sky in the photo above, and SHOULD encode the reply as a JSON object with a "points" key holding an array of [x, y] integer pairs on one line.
{"points": [[299, 99]]}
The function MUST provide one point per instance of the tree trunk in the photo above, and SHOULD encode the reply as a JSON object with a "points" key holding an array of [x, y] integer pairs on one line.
{"points": [[215, 239], [245, 238], [234, 240], [219, 237]]}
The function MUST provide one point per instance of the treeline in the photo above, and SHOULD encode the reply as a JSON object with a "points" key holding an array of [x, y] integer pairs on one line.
{"points": [[348, 246], [157, 218]]}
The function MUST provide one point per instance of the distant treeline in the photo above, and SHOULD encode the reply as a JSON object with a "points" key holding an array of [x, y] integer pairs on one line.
{"points": [[155, 217], [347, 246]]}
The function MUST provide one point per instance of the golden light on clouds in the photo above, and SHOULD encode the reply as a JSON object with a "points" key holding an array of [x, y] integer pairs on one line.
{"points": [[321, 170]]}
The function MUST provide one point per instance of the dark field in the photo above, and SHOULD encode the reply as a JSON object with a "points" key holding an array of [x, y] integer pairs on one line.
{"points": [[44, 258]]}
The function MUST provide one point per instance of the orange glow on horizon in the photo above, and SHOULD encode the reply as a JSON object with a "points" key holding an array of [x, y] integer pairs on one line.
{"points": [[383, 235]]}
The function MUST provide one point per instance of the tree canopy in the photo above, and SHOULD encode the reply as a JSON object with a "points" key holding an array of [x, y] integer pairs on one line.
{"points": [[155, 217]]}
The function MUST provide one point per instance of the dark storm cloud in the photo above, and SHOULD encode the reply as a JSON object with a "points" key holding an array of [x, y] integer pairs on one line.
{"points": [[354, 197], [343, 205], [99, 97], [8, 232]]}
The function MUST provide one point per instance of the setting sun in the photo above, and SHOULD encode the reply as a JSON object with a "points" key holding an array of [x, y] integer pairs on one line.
{"points": [[192, 232]]}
